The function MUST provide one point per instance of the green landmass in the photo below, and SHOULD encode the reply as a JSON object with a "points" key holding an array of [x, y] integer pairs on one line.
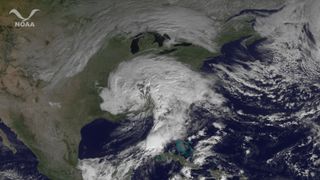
{"points": [[192, 56], [168, 156], [236, 29], [7, 39]]}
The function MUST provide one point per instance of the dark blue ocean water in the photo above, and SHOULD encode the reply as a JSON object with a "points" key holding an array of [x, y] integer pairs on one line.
{"points": [[103, 137], [275, 147]]}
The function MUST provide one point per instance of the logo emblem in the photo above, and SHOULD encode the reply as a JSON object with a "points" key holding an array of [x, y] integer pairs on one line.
{"points": [[24, 21]]}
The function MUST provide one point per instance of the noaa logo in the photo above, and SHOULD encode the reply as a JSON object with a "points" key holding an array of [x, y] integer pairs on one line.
{"points": [[24, 21]]}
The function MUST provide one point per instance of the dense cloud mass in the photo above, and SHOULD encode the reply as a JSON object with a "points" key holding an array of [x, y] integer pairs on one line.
{"points": [[165, 86], [249, 110], [253, 111]]}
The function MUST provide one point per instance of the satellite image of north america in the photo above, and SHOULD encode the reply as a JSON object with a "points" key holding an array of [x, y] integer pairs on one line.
{"points": [[159, 90]]}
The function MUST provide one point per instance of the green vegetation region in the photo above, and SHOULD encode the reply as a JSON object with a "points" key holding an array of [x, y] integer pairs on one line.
{"points": [[7, 43], [168, 156], [236, 29], [192, 55]]}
